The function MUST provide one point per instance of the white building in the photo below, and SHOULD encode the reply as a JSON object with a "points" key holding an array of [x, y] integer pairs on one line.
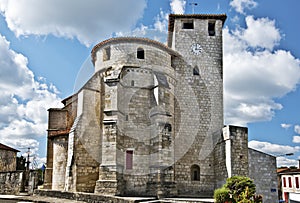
{"points": [[290, 184]]}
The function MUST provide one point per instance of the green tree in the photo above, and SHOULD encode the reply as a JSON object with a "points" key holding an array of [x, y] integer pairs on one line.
{"points": [[237, 189]]}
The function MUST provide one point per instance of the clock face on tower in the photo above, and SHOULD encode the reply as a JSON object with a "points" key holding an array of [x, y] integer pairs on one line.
{"points": [[196, 49]]}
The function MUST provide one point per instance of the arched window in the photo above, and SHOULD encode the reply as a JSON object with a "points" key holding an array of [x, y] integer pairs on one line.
{"points": [[140, 53], [196, 70], [195, 173], [129, 159]]}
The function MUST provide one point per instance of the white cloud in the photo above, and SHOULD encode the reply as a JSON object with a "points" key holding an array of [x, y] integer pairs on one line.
{"points": [[23, 101], [283, 161], [260, 32], [274, 149], [88, 21], [285, 125], [241, 5], [177, 6], [296, 139], [297, 129], [254, 77], [158, 31], [161, 21]]}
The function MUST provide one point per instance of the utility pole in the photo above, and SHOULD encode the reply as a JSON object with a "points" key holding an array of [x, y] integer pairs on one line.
{"points": [[193, 6], [28, 162]]}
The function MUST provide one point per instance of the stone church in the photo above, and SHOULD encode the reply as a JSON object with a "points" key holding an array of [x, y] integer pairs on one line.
{"points": [[149, 122]]}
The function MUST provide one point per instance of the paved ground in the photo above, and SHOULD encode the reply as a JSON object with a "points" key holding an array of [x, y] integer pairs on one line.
{"points": [[42, 199], [8, 201], [23, 199]]}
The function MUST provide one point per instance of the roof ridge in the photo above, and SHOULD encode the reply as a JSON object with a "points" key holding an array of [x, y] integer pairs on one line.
{"points": [[132, 39], [5, 147]]}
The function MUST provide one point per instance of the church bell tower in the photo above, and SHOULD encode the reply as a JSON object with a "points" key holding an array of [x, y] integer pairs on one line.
{"points": [[199, 92], [198, 39]]}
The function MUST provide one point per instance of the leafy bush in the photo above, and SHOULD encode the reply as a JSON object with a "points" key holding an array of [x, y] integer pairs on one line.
{"points": [[221, 195], [237, 189], [238, 185]]}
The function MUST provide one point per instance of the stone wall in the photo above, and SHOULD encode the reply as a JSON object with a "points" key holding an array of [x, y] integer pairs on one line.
{"points": [[125, 53], [10, 182], [239, 156], [60, 150], [262, 169], [199, 109], [137, 95], [85, 157], [221, 173], [59, 123], [8, 160]]}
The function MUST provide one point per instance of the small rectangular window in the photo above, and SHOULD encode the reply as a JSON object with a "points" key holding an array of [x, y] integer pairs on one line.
{"points": [[290, 182], [140, 54], [106, 54], [211, 29], [297, 182], [188, 24], [129, 159], [284, 182]]}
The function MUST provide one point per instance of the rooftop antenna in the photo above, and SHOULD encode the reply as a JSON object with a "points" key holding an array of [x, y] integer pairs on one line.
{"points": [[193, 6]]}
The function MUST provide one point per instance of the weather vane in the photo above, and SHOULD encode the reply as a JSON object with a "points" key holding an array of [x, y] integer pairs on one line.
{"points": [[193, 6]]}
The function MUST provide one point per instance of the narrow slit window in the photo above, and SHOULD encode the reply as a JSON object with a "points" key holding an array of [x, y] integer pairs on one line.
{"points": [[188, 24], [297, 182], [211, 29], [106, 54], [196, 71], [284, 182], [140, 54], [132, 83], [290, 182], [129, 159]]}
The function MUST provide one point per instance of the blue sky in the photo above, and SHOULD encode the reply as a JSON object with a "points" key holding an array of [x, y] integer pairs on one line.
{"points": [[45, 44]]}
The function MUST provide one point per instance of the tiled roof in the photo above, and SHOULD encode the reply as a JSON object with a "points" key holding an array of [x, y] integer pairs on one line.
{"points": [[280, 170], [131, 40], [288, 170], [172, 18], [4, 147]]}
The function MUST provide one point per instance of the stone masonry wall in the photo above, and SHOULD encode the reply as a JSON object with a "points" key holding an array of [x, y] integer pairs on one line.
{"points": [[57, 119], [87, 142], [129, 101], [10, 182], [262, 169], [124, 54], [239, 148], [60, 148], [58, 124], [200, 103], [221, 173], [8, 160]]}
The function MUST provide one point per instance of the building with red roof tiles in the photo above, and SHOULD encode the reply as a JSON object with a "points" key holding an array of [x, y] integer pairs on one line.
{"points": [[289, 184]]}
